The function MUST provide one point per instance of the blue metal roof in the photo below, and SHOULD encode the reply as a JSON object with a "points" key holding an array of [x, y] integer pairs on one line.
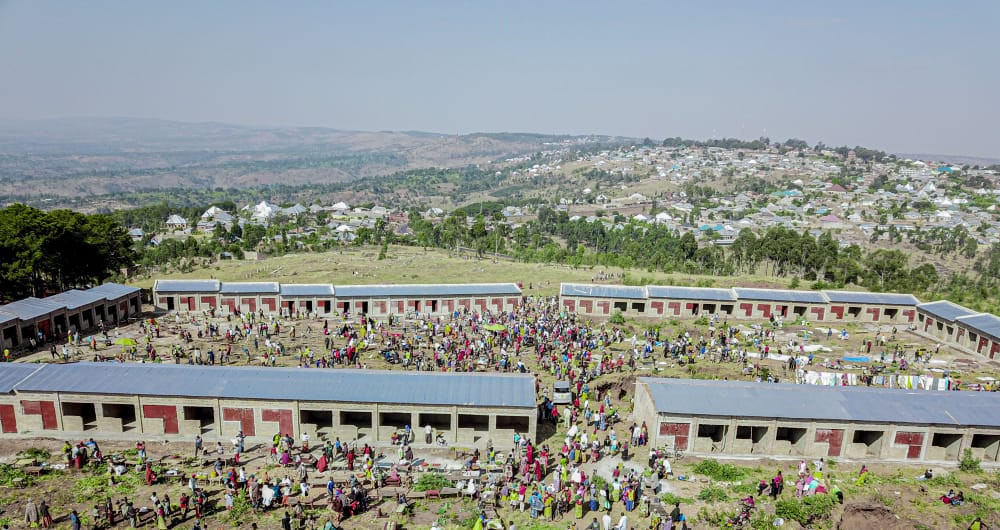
{"points": [[945, 310], [602, 291], [430, 290], [300, 384], [857, 297], [690, 293], [75, 299], [984, 324], [13, 373], [32, 308], [249, 288], [306, 289], [780, 295], [186, 286], [6, 317], [742, 399], [113, 291]]}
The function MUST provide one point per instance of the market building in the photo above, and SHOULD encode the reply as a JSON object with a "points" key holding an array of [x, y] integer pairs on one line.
{"points": [[938, 319], [878, 308], [177, 402], [603, 300], [749, 419]]}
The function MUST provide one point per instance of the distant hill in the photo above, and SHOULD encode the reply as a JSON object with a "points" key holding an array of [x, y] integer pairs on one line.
{"points": [[75, 157]]}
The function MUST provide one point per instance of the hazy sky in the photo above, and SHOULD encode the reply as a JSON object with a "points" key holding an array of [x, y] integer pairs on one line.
{"points": [[907, 76]]}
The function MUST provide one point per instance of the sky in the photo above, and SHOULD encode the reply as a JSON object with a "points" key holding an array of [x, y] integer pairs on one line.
{"points": [[904, 76]]}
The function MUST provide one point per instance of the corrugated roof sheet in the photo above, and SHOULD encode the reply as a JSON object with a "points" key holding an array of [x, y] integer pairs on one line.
{"points": [[602, 291], [985, 324], [249, 288], [459, 289], [112, 291], [75, 299], [302, 384], [781, 295], [13, 373], [691, 293], [306, 289], [32, 308], [856, 297], [186, 286], [698, 397], [6, 317], [945, 310]]}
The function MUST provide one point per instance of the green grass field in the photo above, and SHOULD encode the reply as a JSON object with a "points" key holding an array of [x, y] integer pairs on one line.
{"points": [[360, 265]]}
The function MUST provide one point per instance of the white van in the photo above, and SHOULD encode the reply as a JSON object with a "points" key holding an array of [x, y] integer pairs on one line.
{"points": [[561, 393]]}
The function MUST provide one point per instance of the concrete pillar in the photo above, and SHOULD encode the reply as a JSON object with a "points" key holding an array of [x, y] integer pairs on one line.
{"points": [[454, 424], [375, 422], [217, 411], [729, 440]]}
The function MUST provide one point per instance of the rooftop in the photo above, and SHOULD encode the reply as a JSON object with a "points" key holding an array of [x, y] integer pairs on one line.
{"points": [[945, 310], [781, 295], [691, 293], [602, 291], [186, 286], [459, 289], [249, 288], [699, 397], [985, 324], [857, 297], [32, 308], [306, 289], [302, 384]]}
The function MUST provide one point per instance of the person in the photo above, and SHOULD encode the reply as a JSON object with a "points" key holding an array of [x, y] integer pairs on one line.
{"points": [[838, 493], [929, 474], [197, 445], [675, 514], [30, 512], [977, 524], [428, 431], [43, 512], [286, 521], [74, 520]]}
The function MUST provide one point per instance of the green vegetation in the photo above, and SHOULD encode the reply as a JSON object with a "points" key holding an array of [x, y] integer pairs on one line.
{"points": [[806, 511], [712, 494], [432, 481], [720, 472], [969, 463], [45, 251]]}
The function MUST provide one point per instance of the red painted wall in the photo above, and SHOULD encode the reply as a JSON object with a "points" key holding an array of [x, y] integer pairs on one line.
{"points": [[282, 416], [765, 310], [45, 409], [242, 415], [838, 311], [680, 432], [819, 312], [874, 312], [675, 307], [747, 309], [909, 315], [833, 437], [657, 307], [8, 420], [913, 440], [167, 413], [569, 305]]}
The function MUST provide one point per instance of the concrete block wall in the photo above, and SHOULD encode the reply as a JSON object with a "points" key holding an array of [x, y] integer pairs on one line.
{"points": [[181, 419]]}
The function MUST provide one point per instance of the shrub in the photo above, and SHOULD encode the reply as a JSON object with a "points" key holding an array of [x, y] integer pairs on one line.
{"points": [[617, 317], [432, 481], [669, 499], [35, 453], [948, 480], [806, 511], [712, 494], [241, 507], [969, 463], [721, 472]]}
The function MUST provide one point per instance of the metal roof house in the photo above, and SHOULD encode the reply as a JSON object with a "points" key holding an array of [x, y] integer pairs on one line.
{"points": [[249, 296], [186, 295], [676, 301], [856, 306], [603, 300], [742, 418], [938, 319], [433, 299], [178, 401], [979, 333]]}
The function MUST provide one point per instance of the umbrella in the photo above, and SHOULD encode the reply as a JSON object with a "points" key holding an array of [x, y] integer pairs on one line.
{"points": [[125, 341], [494, 327]]}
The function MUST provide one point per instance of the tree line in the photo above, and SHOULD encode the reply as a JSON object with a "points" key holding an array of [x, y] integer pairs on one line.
{"points": [[53, 251]]}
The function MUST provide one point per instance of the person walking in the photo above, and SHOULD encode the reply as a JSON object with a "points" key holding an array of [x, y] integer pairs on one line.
{"points": [[197, 445], [43, 512]]}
